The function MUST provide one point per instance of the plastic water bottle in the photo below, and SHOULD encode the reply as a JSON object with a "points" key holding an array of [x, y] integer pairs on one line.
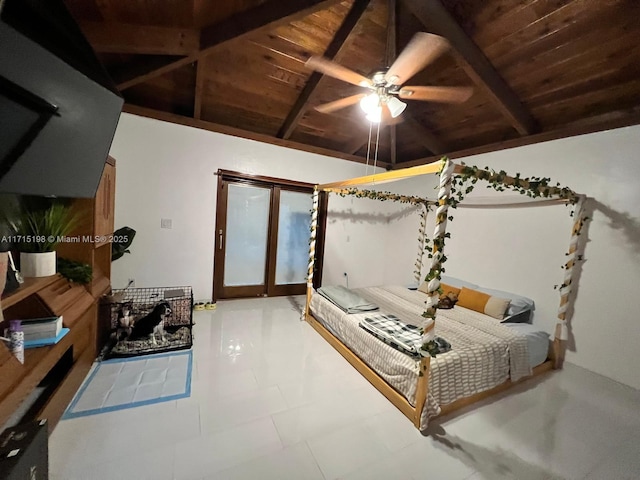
{"points": [[16, 337]]}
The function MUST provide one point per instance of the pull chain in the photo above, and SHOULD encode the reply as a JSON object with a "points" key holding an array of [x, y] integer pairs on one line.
{"points": [[366, 172], [375, 161]]}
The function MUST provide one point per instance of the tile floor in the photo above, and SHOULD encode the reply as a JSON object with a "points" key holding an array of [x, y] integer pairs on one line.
{"points": [[272, 400]]}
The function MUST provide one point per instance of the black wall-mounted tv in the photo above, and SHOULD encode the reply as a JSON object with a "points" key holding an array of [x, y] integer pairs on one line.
{"points": [[58, 108]]}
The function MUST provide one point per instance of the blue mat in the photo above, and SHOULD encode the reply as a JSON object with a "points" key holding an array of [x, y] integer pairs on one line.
{"points": [[133, 382]]}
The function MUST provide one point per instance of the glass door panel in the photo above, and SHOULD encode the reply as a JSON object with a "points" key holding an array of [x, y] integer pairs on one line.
{"points": [[247, 232], [294, 221]]}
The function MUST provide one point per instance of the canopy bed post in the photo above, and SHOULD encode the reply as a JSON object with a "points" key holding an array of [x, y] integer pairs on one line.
{"points": [[433, 277], [421, 241], [422, 390], [312, 248], [562, 331]]}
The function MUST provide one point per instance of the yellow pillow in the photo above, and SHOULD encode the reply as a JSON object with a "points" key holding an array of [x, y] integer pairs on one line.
{"points": [[483, 303], [449, 289]]}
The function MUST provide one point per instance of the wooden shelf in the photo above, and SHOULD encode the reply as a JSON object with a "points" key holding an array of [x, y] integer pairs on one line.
{"points": [[35, 356], [29, 287], [18, 380], [21, 379]]}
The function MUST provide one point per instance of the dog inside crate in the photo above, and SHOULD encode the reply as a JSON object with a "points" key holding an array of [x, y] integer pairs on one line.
{"points": [[150, 320]]}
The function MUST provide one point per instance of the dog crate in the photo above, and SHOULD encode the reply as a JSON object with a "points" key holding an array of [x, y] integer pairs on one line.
{"points": [[141, 302]]}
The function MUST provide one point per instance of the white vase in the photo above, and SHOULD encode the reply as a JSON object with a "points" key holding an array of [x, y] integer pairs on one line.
{"points": [[37, 264]]}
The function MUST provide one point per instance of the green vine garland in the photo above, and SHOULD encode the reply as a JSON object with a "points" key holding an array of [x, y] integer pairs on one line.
{"points": [[534, 187], [382, 196]]}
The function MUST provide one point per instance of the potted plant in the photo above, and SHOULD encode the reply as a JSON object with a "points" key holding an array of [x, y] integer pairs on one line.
{"points": [[37, 232]]}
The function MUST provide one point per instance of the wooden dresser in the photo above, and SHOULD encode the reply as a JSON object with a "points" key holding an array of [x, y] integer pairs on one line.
{"points": [[45, 384], [50, 375]]}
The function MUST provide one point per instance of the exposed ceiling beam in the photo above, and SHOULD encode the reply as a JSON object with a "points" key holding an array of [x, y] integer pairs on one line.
{"points": [[237, 132], [302, 102], [606, 121], [362, 139], [140, 39], [140, 67], [392, 48], [355, 144], [265, 16], [437, 19], [197, 97], [424, 136]]}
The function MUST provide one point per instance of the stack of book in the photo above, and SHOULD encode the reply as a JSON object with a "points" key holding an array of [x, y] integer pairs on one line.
{"points": [[42, 331]]}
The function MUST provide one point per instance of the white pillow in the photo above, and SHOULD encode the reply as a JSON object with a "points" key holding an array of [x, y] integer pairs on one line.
{"points": [[518, 302]]}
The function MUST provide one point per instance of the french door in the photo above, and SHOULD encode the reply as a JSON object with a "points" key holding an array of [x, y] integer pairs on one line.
{"points": [[262, 236]]}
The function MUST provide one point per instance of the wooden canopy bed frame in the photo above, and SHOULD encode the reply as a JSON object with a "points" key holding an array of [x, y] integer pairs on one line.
{"points": [[447, 169]]}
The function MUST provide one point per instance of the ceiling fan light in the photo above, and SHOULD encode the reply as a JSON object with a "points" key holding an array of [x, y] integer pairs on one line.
{"points": [[370, 103], [375, 115], [396, 107]]}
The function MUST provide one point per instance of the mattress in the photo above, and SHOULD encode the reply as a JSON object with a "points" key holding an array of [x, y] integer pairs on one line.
{"points": [[484, 353], [537, 341]]}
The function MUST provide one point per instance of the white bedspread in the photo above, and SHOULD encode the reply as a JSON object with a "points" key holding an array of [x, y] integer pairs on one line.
{"points": [[483, 353]]}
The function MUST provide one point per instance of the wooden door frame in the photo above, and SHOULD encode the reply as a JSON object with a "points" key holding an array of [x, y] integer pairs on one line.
{"points": [[221, 247], [221, 211]]}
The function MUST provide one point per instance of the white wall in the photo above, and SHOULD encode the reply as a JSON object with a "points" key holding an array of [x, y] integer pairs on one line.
{"points": [[167, 171], [402, 235], [521, 250], [394, 223], [355, 242]]}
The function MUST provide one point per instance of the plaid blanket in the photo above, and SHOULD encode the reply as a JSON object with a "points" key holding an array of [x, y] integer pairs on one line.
{"points": [[399, 335]]}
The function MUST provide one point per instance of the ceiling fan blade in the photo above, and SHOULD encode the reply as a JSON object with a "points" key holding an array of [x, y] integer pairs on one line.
{"points": [[322, 65], [436, 94], [338, 104], [387, 119], [421, 50]]}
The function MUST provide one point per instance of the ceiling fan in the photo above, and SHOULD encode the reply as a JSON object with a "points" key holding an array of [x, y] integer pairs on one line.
{"points": [[386, 86]]}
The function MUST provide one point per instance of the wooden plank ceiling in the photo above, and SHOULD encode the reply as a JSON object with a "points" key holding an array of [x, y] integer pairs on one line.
{"points": [[540, 69]]}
